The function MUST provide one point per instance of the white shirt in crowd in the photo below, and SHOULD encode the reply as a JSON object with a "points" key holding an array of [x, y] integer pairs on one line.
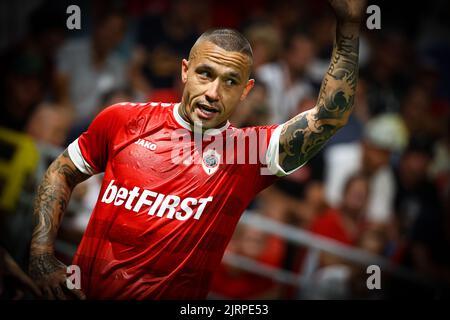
{"points": [[87, 83], [283, 100], [344, 160]]}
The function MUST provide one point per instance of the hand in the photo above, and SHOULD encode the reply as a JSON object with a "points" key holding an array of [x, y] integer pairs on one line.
{"points": [[10, 270], [348, 10], [50, 275]]}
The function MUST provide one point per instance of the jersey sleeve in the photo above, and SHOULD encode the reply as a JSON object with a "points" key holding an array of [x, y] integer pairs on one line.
{"points": [[264, 175], [272, 158], [91, 150]]}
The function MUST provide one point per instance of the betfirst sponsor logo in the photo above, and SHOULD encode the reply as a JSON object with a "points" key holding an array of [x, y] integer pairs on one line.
{"points": [[158, 204]]}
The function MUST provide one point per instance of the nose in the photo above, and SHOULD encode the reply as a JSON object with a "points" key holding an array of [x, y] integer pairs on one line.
{"points": [[212, 93]]}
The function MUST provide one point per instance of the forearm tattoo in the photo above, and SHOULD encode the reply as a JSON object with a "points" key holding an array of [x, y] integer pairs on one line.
{"points": [[305, 134], [43, 264], [51, 201]]}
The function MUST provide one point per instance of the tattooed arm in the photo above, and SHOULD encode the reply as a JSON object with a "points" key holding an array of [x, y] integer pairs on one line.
{"points": [[304, 135], [50, 203]]}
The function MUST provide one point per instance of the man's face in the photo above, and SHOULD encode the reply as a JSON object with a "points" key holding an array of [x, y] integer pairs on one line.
{"points": [[374, 157], [215, 82], [300, 54], [356, 195], [110, 33]]}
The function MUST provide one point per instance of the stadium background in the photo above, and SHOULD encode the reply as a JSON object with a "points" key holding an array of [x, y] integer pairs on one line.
{"points": [[313, 234]]}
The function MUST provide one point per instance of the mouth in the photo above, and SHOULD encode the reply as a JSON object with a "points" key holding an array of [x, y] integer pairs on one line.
{"points": [[205, 111]]}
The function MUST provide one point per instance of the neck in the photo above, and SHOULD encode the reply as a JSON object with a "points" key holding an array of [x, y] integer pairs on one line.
{"points": [[182, 112], [184, 115]]}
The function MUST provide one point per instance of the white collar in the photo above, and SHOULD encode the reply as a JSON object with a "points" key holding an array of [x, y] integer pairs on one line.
{"points": [[187, 125]]}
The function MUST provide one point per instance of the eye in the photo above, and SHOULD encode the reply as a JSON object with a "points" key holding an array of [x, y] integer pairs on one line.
{"points": [[230, 82], [204, 74]]}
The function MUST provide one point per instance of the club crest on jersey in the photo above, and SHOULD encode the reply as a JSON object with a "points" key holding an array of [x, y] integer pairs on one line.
{"points": [[211, 161]]}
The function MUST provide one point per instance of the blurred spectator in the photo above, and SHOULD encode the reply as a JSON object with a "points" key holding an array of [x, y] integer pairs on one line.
{"points": [[234, 283], [287, 80], [421, 221], [108, 98], [440, 166], [288, 15], [88, 67], [162, 41], [415, 192], [50, 124], [323, 29], [346, 222], [388, 71], [253, 111], [22, 90], [383, 136], [265, 42], [28, 66], [417, 114]]}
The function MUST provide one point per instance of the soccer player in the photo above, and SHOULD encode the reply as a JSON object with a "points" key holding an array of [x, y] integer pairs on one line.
{"points": [[170, 202]]}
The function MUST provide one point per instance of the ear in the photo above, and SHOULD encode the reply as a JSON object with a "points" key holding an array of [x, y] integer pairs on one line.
{"points": [[248, 87], [184, 70]]}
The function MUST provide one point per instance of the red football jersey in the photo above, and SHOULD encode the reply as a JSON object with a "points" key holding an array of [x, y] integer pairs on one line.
{"points": [[169, 201]]}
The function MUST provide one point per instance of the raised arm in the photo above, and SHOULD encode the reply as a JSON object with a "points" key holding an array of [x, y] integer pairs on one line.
{"points": [[50, 203], [305, 134]]}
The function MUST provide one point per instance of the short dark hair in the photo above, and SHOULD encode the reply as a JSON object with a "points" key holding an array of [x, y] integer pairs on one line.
{"points": [[229, 40]]}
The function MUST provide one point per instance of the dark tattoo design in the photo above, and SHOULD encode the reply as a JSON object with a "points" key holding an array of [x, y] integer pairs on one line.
{"points": [[305, 134], [43, 264], [50, 203]]}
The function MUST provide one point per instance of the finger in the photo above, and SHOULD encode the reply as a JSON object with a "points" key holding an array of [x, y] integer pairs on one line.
{"points": [[78, 293], [34, 289], [58, 291], [29, 284], [18, 295], [48, 294]]}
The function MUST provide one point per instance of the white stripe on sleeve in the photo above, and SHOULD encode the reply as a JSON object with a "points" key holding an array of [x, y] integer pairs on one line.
{"points": [[272, 155], [78, 159]]}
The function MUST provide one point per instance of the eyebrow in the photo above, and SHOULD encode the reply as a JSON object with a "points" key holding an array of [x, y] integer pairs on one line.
{"points": [[207, 67]]}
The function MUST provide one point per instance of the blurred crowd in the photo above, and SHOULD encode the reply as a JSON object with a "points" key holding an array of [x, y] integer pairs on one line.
{"points": [[380, 185]]}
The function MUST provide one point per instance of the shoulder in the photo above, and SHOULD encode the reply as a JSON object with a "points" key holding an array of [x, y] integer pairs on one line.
{"points": [[122, 111], [258, 129], [136, 107], [262, 134], [129, 116]]}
